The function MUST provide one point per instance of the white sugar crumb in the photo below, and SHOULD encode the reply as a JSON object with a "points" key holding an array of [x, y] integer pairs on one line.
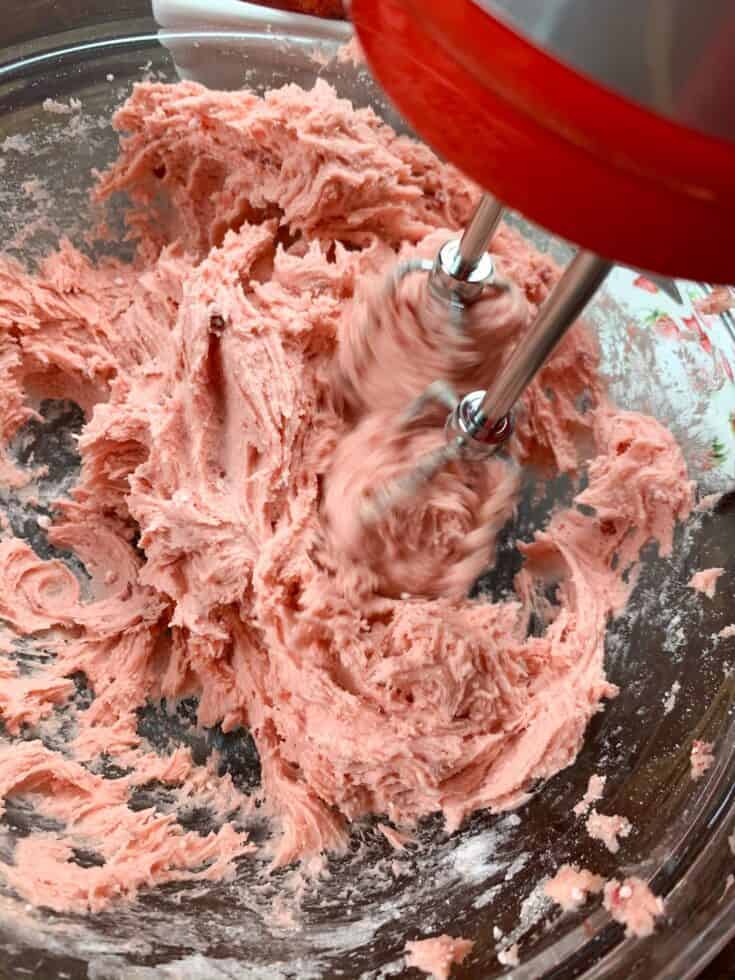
{"points": [[676, 635], [487, 897], [471, 858], [17, 143], [57, 108], [351, 53], [517, 865], [533, 908], [727, 632], [321, 56], [110, 77], [625, 891], [497, 933], [62, 108], [37, 191], [670, 699], [509, 956], [577, 895]]}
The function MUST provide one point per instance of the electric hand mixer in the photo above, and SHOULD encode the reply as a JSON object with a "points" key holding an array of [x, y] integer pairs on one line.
{"points": [[610, 123]]}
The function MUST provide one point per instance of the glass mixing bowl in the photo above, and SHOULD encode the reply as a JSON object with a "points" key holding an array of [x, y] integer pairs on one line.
{"points": [[673, 672]]}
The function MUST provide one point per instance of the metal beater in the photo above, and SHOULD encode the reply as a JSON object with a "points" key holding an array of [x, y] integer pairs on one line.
{"points": [[481, 421]]}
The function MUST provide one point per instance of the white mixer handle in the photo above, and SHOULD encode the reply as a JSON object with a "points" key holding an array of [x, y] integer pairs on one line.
{"points": [[236, 15]]}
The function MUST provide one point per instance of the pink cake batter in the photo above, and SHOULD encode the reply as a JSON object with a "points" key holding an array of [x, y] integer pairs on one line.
{"points": [[632, 903], [571, 886], [222, 373], [608, 829], [706, 581], [702, 758], [594, 792], [437, 956]]}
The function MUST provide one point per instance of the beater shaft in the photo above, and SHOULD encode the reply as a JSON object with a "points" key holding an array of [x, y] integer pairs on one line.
{"points": [[464, 268], [481, 421], [477, 236], [585, 273]]}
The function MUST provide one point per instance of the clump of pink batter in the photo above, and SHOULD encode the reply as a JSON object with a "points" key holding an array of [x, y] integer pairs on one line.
{"points": [[209, 370], [702, 758], [437, 956], [633, 904], [608, 829], [706, 581], [593, 793], [571, 886]]}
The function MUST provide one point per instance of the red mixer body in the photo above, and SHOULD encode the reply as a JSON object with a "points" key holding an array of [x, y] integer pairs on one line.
{"points": [[573, 155]]}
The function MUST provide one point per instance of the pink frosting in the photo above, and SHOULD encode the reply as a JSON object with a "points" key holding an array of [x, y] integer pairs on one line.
{"points": [[633, 904], [702, 758], [594, 792], [395, 838], [571, 886], [437, 956], [608, 829], [706, 581], [207, 370], [137, 848]]}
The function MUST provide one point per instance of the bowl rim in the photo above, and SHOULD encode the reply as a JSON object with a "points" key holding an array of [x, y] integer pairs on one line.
{"points": [[693, 946]]}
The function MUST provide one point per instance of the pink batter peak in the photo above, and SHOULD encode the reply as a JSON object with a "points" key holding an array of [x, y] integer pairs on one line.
{"points": [[233, 418], [438, 955]]}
